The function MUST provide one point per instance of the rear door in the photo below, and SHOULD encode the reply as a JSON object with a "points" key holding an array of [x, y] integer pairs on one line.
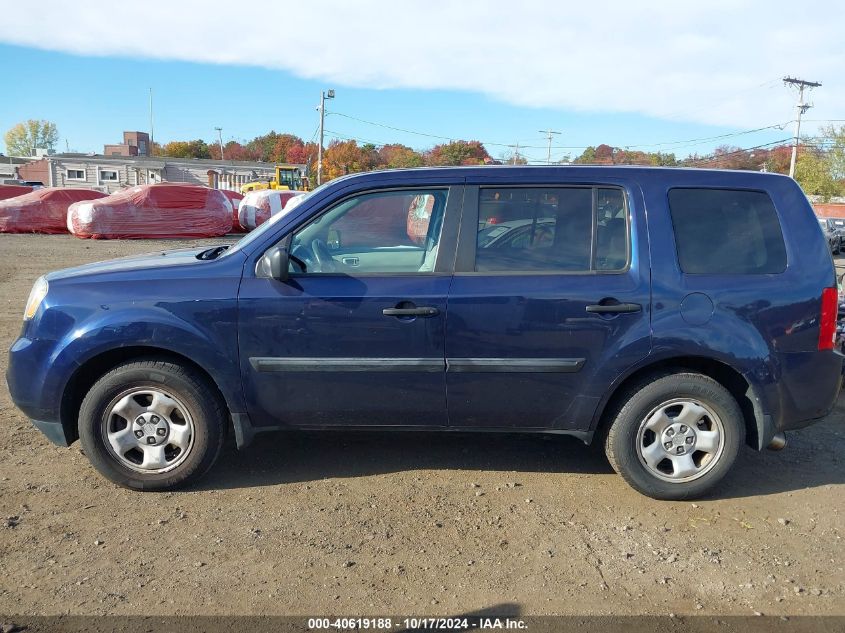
{"points": [[549, 304]]}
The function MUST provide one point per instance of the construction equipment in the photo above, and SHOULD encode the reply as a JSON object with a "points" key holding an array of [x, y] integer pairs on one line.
{"points": [[288, 177]]}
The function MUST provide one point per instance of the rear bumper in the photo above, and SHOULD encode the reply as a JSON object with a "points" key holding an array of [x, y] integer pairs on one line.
{"points": [[54, 431], [808, 388]]}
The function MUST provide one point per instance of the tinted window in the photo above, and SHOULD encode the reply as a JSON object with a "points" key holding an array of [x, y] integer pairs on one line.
{"points": [[724, 231], [388, 232], [574, 229]]}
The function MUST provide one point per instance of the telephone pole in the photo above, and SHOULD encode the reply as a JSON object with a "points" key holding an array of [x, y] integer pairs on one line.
{"points": [[548, 134], [802, 108], [152, 135], [322, 108], [220, 141], [515, 156]]}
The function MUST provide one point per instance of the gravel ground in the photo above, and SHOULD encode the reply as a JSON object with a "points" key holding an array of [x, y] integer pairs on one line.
{"points": [[403, 523]]}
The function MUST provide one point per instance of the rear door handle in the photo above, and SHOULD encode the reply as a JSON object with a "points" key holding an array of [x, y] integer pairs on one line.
{"points": [[614, 308], [424, 311]]}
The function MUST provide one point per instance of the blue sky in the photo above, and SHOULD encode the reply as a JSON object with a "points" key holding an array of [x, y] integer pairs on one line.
{"points": [[671, 80]]}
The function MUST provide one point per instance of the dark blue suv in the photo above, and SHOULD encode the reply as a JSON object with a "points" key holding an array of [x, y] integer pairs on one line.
{"points": [[673, 315]]}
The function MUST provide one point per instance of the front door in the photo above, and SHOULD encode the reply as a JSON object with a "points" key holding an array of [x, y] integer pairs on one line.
{"points": [[550, 302], [356, 336]]}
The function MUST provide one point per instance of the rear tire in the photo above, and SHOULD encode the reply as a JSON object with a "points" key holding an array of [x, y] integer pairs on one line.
{"points": [[675, 436], [152, 425]]}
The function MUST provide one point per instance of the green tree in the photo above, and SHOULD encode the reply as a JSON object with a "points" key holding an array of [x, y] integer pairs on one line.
{"points": [[513, 158], [813, 173], [834, 140], [30, 135]]}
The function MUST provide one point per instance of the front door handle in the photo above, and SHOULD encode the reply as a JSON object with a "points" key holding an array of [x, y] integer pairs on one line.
{"points": [[424, 311], [614, 308]]}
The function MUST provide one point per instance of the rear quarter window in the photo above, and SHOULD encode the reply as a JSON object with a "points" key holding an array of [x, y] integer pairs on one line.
{"points": [[726, 231]]}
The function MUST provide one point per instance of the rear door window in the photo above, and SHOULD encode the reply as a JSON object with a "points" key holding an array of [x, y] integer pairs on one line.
{"points": [[551, 229], [726, 231]]}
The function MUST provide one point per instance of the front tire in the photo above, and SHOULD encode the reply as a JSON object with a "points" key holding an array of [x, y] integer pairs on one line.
{"points": [[152, 425], [675, 436]]}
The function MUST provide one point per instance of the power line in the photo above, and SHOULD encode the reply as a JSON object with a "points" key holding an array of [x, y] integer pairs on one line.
{"points": [[718, 157], [678, 144]]}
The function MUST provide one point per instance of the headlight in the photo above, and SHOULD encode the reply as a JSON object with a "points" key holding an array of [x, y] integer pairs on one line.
{"points": [[36, 296]]}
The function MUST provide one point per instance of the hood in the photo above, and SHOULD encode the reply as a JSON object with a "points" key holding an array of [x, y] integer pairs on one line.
{"points": [[150, 261]]}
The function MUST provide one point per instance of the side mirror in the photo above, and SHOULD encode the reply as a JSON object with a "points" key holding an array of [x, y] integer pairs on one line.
{"points": [[274, 264]]}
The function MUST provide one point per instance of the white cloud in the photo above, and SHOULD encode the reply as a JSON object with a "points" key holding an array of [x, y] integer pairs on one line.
{"points": [[710, 62]]}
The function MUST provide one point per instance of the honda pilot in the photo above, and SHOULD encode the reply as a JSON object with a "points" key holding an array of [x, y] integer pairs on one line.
{"points": [[672, 315]]}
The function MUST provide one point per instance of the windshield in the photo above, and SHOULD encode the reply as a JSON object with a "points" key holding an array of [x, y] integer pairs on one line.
{"points": [[256, 234]]}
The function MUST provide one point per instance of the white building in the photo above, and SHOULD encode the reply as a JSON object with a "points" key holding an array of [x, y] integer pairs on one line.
{"points": [[113, 173]]}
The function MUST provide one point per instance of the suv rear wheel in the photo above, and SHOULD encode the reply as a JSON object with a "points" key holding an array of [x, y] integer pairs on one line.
{"points": [[675, 436], [152, 425]]}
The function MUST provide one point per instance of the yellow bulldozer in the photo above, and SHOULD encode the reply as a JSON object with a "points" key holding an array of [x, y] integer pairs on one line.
{"points": [[288, 177]]}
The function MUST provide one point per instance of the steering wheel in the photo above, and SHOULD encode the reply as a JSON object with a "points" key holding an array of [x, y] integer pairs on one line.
{"points": [[323, 256]]}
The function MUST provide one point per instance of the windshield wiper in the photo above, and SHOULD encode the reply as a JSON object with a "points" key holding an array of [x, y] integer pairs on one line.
{"points": [[213, 252]]}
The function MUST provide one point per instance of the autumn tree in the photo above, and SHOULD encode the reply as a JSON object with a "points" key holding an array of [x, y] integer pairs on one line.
{"points": [[458, 153], [23, 138], [396, 155], [186, 149], [342, 157], [598, 155], [284, 144], [304, 155]]}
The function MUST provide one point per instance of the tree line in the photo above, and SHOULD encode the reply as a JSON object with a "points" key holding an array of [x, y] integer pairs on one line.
{"points": [[820, 168]]}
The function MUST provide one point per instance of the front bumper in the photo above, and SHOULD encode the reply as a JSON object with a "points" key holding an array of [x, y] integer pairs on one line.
{"points": [[33, 390]]}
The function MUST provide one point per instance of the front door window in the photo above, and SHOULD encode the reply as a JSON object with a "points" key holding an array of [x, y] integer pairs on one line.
{"points": [[373, 233]]}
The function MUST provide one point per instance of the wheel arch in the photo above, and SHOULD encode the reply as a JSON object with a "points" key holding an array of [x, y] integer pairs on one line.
{"points": [[756, 423], [84, 377]]}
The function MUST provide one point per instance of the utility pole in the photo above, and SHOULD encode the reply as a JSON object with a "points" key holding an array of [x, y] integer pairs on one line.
{"points": [[322, 108], [220, 141], [802, 108], [549, 135], [152, 136], [515, 156]]}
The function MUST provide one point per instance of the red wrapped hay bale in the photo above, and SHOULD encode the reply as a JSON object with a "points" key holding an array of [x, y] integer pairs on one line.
{"points": [[257, 206], [13, 191], [41, 211], [234, 198], [152, 211]]}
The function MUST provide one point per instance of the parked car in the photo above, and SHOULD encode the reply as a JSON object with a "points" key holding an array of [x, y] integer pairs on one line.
{"points": [[832, 235], [838, 225], [672, 340]]}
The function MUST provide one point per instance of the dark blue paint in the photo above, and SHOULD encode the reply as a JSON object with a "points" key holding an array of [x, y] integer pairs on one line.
{"points": [[219, 314]]}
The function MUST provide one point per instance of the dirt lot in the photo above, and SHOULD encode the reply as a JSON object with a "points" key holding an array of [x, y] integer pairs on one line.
{"points": [[425, 524]]}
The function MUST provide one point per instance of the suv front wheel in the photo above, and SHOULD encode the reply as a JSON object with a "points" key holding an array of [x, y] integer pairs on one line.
{"points": [[152, 425], [675, 436]]}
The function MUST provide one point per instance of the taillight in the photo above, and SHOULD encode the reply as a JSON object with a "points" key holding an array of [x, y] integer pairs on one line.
{"points": [[827, 323], [492, 220]]}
